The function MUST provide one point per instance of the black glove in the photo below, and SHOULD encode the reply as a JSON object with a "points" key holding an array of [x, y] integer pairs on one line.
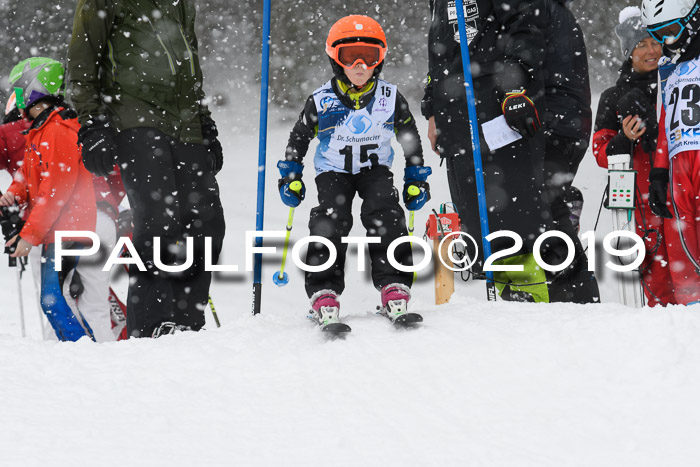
{"points": [[99, 150], [521, 114], [11, 223], [634, 102], [211, 141], [658, 188], [125, 223], [637, 102]]}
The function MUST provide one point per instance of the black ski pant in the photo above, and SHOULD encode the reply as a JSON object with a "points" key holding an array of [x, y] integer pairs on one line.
{"points": [[575, 283], [381, 215], [173, 195], [562, 157]]}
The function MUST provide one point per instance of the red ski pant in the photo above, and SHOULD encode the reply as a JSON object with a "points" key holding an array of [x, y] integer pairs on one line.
{"points": [[656, 274], [683, 231]]}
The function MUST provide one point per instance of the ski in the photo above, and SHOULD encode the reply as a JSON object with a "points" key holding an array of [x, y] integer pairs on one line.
{"points": [[407, 319], [336, 328]]}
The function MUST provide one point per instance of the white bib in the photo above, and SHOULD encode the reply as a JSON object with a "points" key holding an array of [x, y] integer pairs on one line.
{"points": [[681, 99], [350, 140]]}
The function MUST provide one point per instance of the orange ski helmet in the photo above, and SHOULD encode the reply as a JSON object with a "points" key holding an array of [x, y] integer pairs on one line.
{"points": [[356, 39]]}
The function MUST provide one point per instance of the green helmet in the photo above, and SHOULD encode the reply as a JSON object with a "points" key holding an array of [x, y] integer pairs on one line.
{"points": [[36, 78]]}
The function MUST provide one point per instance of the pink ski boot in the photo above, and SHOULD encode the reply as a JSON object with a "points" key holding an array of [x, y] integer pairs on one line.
{"points": [[395, 298], [325, 310]]}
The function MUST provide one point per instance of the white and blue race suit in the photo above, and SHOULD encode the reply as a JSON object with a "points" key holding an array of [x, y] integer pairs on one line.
{"points": [[680, 94], [349, 139]]}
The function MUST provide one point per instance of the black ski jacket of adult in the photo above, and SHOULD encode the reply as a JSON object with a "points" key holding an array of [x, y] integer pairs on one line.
{"points": [[136, 63], [505, 41], [507, 52], [567, 109]]}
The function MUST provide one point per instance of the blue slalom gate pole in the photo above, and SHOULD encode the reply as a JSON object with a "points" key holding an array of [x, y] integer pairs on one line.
{"points": [[262, 155], [476, 146]]}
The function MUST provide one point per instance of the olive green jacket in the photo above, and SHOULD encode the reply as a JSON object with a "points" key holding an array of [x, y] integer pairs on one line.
{"points": [[136, 63]]}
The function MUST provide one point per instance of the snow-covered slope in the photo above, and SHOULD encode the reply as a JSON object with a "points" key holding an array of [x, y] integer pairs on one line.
{"points": [[479, 384], [488, 384]]}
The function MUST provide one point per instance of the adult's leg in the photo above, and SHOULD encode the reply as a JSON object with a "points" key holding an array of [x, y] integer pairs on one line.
{"points": [[382, 216], [148, 174], [331, 219], [460, 180], [201, 216], [575, 283]]}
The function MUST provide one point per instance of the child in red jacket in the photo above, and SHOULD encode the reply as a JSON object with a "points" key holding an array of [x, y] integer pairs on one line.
{"points": [[677, 160], [52, 182]]}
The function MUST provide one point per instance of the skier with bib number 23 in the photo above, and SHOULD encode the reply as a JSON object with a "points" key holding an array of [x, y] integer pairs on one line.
{"points": [[677, 161], [354, 116]]}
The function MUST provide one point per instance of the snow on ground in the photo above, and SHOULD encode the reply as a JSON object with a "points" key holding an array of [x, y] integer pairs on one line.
{"points": [[479, 384]]}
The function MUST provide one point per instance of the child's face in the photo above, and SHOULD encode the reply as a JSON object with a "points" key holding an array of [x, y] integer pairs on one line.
{"points": [[359, 75]]}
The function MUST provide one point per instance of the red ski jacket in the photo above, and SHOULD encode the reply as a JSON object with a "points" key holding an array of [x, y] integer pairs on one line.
{"points": [[109, 192], [52, 181], [12, 144]]}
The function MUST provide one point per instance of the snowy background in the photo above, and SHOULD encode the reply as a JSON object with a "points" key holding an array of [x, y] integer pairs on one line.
{"points": [[479, 384]]}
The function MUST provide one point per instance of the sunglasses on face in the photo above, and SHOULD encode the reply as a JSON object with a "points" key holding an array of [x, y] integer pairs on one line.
{"points": [[350, 55]]}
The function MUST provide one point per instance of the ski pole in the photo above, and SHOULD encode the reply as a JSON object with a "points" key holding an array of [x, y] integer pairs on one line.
{"points": [[412, 191], [213, 312], [264, 88], [37, 294], [411, 216], [281, 278], [476, 145], [18, 274]]}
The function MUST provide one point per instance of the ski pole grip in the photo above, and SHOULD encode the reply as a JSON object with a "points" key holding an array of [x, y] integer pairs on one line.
{"points": [[413, 190], [295, 186]]}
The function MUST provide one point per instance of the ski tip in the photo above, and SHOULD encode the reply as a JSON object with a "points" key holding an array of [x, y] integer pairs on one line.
{"points": [[408, 319], [336, 328]]}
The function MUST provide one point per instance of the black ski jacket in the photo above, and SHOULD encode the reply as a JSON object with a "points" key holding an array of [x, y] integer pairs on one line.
{"points": [[507, 53], [609, 138], [567, 102], [506, 41], [137, 63]]}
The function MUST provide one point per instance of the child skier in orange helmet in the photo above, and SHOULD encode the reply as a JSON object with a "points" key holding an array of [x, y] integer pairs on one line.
{"points": [[355, 115]]}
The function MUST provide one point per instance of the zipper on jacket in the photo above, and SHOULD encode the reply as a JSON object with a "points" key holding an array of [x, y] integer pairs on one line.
{"points": [[189, 51], [167, 54], [111, 59]]}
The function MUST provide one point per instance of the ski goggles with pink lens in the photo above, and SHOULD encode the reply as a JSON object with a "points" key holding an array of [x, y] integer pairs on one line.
{"points": [[350, 55]]}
